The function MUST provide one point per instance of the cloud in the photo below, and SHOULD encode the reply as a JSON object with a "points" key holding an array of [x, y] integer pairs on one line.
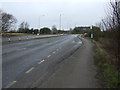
{"points": [[74, 12], [73, 1]]}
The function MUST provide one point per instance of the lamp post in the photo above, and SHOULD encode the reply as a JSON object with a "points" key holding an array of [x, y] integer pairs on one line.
{"points": [[40, 21], [60, 22]]}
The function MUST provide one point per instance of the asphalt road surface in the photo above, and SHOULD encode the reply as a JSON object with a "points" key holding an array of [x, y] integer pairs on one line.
{"points": [[29, 64], [16, 38], [77, 71]]}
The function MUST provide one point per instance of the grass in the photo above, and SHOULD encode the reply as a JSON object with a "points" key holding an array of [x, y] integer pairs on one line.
{"points": [[107, 70], [14, 34], [112, 76]]}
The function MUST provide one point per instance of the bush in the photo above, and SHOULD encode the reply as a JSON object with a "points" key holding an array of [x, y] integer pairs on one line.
{"points": [[45, 30]]}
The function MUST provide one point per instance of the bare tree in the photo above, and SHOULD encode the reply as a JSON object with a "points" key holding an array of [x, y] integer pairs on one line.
{"points": [[54, 29], [0, 21], [115, 18], [23, 27], [26, 25], [8, 21]]}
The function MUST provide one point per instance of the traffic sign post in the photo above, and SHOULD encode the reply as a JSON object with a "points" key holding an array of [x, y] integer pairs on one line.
{"points": [[91, 36]]}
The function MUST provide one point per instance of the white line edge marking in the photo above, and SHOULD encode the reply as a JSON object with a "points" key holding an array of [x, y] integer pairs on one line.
{"points": [[13, 82], [41, 61], [29, 70], [48, 56]]}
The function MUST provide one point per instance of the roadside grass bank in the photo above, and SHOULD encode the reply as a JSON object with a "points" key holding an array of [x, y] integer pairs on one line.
{"points": [[8, 42], [107, 70], [14, 34]]}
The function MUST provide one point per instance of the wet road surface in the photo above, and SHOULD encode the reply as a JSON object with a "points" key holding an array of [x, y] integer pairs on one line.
{"points": [[28, 64]]}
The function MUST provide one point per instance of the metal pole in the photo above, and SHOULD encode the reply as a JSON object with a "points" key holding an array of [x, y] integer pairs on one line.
{"points": [[60, 22], [39, 23]]}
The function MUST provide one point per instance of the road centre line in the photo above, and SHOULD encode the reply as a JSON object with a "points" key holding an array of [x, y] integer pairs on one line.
{"points": [[21, 49], [29, 70], [49, 56], [13, 82], [54, 52], [41, 61]]}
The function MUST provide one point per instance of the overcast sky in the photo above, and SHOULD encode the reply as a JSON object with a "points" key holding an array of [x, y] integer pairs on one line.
{"points": [[47, 12]]}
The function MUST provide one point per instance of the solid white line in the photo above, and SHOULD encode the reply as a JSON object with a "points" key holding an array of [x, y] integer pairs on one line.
{"points": [[29, 70], [48, 56], [13, 82], [41, 61]]}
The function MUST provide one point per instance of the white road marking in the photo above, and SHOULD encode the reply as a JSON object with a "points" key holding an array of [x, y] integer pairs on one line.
{"points": [[9, 39], [49, 56], [13, 82], [29, 70], [54, 52], [79, 42], [21, 49], [57, 49], [41, 61], [19, 38], [73, 41]]}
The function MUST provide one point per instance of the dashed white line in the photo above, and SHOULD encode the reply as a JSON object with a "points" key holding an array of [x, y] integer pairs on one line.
{"points": [[21, 49], [24, 48], [29, 70], [41, 61], [59, 47], [73, 41], [49, 56], [13, 82], [54, 52]]}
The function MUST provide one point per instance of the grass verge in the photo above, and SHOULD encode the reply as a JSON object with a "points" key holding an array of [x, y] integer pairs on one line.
{"points": [[14, 34], [107, 71]]}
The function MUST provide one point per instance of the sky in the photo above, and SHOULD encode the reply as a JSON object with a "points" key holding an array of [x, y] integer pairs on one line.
{"points": [[46, 13]]}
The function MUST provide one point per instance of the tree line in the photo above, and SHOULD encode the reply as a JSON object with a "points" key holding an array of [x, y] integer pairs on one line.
{"points": [[9, 21]]}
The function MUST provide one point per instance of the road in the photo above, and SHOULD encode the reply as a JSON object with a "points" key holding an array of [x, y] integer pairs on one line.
{"points": [[16, 38], [78, 70], [29, 64]]}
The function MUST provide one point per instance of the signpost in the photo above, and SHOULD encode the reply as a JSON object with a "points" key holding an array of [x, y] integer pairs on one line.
{"points": [[91, 36]]}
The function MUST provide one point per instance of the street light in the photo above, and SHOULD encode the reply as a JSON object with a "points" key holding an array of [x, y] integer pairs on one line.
{"points": [[40, 21], [60, 22]]}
